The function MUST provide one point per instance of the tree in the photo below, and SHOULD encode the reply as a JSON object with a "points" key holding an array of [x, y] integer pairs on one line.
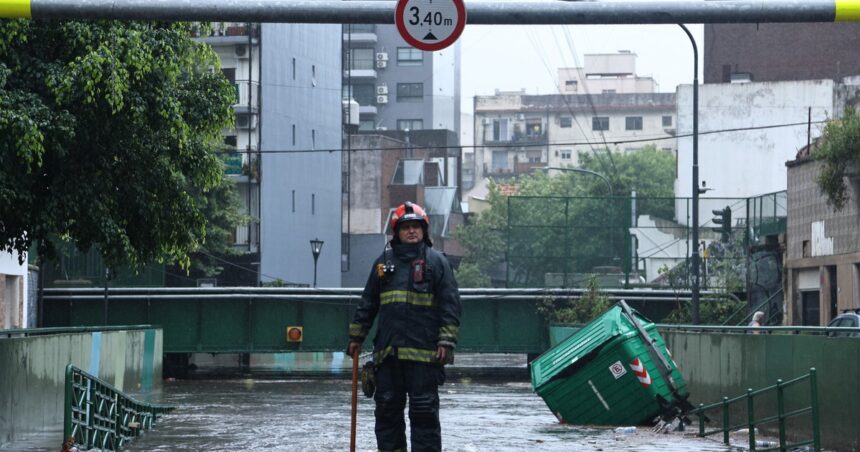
{"points": [[839, 154], [109, 130], [540, 238]]}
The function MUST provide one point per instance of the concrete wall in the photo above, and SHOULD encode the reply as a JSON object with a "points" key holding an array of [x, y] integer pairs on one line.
{"points": [[718, 365], [32, 375], [301, 191]]}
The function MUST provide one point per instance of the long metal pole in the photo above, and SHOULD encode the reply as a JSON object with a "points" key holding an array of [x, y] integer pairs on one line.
{"points": [[487, 13], [694, 311]]}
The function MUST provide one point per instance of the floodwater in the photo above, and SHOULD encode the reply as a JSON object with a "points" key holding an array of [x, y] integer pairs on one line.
{"points": [[314, 415]]}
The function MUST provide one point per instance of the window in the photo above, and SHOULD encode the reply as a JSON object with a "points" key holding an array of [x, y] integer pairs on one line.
{"points": [[294, 201], [565, 122], [633, 123], [410, 92], [363, 93], [570, 85], [313, 75], [361, 58], [533, 157], [407, 56], [313, 139], [294, 68], [565, 154], [294, 134], [609, 91], [667, 121], [366, 124], [313, 204], [230, 140], [410, 124], [600, 123]]}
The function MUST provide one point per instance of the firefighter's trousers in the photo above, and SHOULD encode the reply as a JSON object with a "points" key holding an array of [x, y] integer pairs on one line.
{"points": [[395, 379]]}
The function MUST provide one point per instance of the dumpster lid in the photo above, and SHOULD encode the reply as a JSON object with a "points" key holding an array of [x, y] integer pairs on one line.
{"points": [[583, 344]]}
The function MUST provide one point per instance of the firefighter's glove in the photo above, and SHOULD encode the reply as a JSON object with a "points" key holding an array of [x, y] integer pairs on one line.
{"points": [[368, 379]]}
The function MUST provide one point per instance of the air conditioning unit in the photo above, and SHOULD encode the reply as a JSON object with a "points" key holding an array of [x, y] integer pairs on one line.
{"points": [[241, 51], [382, 89], [382, 99], [381, 64], [382, 56]]}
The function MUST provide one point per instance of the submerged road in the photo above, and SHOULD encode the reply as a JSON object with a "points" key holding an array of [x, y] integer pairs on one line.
{"points": [[313, 415]]}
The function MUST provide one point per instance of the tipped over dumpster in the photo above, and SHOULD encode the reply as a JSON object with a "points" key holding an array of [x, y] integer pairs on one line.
{"points": [[616, 370]]}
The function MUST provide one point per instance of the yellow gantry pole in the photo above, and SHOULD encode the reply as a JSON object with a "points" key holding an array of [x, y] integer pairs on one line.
{"points": [[516, 13]]}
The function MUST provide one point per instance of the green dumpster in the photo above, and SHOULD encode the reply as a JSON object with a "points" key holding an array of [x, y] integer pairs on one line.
{"points": [[614, 371]]}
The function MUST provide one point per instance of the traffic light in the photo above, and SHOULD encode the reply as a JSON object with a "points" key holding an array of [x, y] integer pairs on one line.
{"points": [[724, 219]]}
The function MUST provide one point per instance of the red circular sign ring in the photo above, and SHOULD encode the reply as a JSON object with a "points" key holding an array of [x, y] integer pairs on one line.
{"points": [[458, 29]]}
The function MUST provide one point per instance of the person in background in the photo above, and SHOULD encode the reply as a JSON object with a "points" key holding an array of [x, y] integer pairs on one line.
{"points": [[412, 293], [757, 318]]}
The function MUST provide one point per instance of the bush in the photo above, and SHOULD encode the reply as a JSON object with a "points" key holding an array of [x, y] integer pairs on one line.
{"points": [[575, 310]]}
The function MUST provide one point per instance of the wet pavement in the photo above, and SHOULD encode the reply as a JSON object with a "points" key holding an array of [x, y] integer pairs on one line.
{"points": [[314, 415]]}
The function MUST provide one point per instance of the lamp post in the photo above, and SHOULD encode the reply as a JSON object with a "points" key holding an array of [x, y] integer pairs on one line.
{"points": [[694, 311], [316, 248]]}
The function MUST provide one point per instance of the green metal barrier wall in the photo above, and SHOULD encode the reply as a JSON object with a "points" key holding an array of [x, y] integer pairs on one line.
{"points": [[716, 363], [249, 320]]}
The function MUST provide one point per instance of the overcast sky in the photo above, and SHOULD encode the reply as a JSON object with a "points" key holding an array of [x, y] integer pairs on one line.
{"points": [[512, 57]]}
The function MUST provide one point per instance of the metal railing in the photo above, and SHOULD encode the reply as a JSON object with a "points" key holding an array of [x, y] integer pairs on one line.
{"points": [[780, 417], [97, 414]]}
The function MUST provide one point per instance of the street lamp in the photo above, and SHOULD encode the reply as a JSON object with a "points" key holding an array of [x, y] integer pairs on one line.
{"points": [[316, 248], [694, 312]]}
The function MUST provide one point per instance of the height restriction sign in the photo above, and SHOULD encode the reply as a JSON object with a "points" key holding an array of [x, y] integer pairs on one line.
{"points": [[430, 24]]}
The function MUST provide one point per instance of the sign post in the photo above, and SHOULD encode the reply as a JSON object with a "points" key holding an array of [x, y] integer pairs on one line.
{"points": [[430, 25]]}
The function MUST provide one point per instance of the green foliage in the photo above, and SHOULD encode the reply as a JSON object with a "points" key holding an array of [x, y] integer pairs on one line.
{"points": [[469, 275], [575, 311], [839, 154], [109, 134], [711, 311], [564, 222]]}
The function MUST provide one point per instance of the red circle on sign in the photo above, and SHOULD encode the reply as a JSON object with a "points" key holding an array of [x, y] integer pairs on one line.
{"points": [[458, 29]]}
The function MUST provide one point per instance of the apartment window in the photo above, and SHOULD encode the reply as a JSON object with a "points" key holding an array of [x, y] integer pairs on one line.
{"points": [[230, 140], [294, 201], [313, 75], [600, 123], [565, 122], [410, 92], [313, 139], [230, 75], [294, 134], [570, 85], [365, 125], [633, 123], [410, 124], [667, 121], [407, 56], [565, 154], [609, 91], [294, 68], [363, 93], [533, 157], [362, 58], [313, 204]]}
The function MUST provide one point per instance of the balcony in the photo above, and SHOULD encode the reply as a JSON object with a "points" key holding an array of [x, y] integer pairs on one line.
{"points": [[360, 74], [247, 96], [367, 110], [519, 138], [359, 34], [224, 33]]}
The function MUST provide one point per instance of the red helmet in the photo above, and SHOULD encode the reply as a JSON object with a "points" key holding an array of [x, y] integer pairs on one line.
{"points": [[409, 211]]}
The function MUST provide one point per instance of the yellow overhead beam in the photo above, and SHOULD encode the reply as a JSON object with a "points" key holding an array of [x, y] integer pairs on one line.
{"points": [[847, 10], [15, 9]]}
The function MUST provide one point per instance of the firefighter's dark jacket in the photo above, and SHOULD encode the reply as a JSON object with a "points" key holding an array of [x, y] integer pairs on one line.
{"points": [[414, 318]]}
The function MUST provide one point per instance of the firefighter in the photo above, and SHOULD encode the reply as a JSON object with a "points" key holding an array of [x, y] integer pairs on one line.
{"points": [[412, 291]]}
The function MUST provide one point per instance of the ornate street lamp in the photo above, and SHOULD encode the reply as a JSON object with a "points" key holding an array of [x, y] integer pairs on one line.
{"points": [[316, 248]]}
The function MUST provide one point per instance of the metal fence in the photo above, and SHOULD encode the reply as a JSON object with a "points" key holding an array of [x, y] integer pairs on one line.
{"points": [[643, 242], [782, 416], [98, 415]]}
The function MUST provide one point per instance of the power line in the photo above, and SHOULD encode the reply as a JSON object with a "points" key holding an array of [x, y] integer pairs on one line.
{"points": [[524, 145]]}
